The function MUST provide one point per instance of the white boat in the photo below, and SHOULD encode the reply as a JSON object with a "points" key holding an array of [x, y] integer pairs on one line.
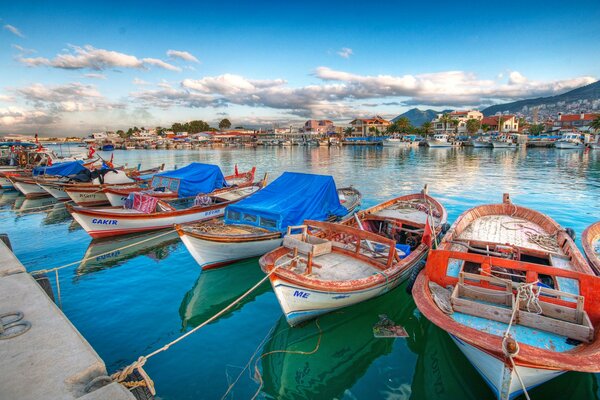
{"points": [[256, 225], [503, 142], [28, 186], [396, 141], [439, 140], [481, 142], [570, 140], [56, 191]]}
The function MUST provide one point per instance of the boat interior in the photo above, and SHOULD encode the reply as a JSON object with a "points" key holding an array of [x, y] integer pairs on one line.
{"points": [[338, 253], [550, 315], [204, 200]]}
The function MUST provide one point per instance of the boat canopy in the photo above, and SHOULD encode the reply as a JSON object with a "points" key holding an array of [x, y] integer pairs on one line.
{"points": [[191, 180], [61, 169], [287, 201]]}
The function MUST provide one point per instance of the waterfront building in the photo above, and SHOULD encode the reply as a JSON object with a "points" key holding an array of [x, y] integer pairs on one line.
{"points": [[367, 126], [462, 117], [510, 123], [319, 127], [579, 121]]}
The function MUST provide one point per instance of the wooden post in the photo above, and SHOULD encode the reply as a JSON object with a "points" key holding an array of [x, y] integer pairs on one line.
{"points": [[309, 263], [294, 259]]}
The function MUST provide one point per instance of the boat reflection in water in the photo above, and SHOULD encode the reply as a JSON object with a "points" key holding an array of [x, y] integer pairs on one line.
{"points": [[8, 198], [345, 349], [108, 253], [215, 289]]}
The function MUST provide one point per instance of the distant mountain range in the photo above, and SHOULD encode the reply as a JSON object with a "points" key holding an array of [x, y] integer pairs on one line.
{"points": [[417, 117], [585, 98]]}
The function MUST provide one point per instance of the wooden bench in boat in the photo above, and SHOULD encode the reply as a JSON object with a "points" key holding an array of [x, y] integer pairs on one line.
{"points": [[497, 305]]}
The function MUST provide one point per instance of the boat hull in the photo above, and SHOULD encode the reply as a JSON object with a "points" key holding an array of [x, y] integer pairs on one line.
{"points": [[500, 375], [56, 191], [503, 145], [88, 197], [395, 143], [30, 190], [479, 144], [6, 184], [212, 254], [437, 143], [568, 145]]}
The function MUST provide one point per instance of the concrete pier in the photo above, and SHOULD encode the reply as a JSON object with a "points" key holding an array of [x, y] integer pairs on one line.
{"points": [[51, 360]]}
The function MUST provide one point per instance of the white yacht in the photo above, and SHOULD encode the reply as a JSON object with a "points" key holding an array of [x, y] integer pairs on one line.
{"points": [[569, 140], [439, 140]]}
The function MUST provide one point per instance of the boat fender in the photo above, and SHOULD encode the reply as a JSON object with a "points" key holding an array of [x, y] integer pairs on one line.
{"points": [[413, 275], [445, 228], [571, 233]]}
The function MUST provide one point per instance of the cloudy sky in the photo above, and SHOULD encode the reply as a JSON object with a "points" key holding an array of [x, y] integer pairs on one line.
{"points": [[69, 68]]}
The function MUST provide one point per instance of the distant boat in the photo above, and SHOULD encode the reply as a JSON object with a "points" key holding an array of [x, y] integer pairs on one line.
{"points": [[481, 141], [108, 147], [503, 142], [396, 141], [439, 140], [570, 140]]}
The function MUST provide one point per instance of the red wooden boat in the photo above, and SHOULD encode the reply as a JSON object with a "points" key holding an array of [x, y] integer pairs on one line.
{"points": [[590, 239]]}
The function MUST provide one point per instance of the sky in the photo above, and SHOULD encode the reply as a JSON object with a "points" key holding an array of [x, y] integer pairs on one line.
{"points": [[72, 68]]}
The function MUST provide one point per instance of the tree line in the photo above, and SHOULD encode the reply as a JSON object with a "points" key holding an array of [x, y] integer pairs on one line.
{"points": [[195, 126]]}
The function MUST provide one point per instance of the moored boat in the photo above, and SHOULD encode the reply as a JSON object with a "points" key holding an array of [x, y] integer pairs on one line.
{"points": [[256, 225], [396, 141], [570, 140], [590, 239], [481, 141], [148, 213], [515, 294], [439, 140], [503, 142]]}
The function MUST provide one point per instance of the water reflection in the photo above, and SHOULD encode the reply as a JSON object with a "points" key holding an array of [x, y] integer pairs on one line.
{"points": [[215, 289], [345, 349], [109, 252]]}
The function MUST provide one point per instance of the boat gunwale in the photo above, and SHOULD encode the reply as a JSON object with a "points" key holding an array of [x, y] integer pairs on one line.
{"points": [[588, 237]]}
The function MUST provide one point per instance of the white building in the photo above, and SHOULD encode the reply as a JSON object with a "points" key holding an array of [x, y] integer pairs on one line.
{"points": [[461, 116]]}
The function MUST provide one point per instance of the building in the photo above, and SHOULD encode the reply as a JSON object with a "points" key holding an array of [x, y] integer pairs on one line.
{"points": [[461, 116], [319, 127], [369, 126], [510, 123], [580, 121]]}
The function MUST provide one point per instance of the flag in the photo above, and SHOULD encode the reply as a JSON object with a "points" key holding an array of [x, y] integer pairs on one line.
{"points": [[91, 152], [427, 234], [110, 163], [236, 170], [49, 163]]}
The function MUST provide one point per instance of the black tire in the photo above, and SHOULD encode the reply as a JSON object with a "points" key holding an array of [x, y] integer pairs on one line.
{"points": [[413, 276], [571, 233], [445, 228]]}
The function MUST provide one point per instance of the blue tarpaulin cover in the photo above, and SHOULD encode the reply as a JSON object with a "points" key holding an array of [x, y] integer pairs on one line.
{"points": [[288, 200], [191, 180], [61, 169]]}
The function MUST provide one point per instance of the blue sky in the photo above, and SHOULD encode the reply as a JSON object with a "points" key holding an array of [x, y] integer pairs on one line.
{"points": [[73, 67]]}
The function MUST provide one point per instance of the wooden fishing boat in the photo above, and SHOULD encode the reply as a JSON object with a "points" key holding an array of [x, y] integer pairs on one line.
{"points": [[590, 239], [256, 225], [28, 186], [111, 221], [165, 186], [515, 294]]}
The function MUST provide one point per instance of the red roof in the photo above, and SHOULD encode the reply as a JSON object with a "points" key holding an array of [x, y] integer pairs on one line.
{"points": [[459, 113], [577, 117], [494, 120]]}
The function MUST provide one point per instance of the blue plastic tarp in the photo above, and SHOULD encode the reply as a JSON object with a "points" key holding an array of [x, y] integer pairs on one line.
{"points": [[61, 169], [289, 200], [191, 180]]}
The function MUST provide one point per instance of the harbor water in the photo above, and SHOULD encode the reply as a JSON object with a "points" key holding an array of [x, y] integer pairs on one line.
{"points": [[132, 301]]}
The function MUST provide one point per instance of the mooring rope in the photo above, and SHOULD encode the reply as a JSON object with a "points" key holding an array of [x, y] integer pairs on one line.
{"points": [[120, 376]]}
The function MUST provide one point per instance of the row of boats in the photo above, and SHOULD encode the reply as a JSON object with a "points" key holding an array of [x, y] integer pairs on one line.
{"points": [[507, 283]]}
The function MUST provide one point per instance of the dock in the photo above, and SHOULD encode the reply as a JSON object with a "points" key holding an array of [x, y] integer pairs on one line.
{"points": [[50, 360]]}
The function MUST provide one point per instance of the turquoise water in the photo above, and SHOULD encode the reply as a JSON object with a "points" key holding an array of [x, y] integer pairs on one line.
{"points": [[133, 301]]}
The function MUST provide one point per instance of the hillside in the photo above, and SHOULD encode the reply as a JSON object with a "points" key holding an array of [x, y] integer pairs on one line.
{"points": [[417, 117], [585, 98]]}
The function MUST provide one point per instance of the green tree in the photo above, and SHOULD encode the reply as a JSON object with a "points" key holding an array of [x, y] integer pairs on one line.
{"points": [[177, 127], [372, 130], [224, 124], [454, 123], [426, 127], [197, 126], [445, 119], [473, 126], [121, 134], [348, 131], [536, 129], [485, 127], [403, 124], [595, 124]]}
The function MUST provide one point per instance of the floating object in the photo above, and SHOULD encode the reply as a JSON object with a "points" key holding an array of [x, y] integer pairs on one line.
{"points": [[523, 301], [257, 224]]}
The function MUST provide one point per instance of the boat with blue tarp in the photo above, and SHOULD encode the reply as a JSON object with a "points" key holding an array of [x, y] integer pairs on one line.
{"points": [[256, 225]]}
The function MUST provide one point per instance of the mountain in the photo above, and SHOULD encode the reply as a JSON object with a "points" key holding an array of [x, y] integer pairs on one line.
{"points": [[585, 98], [417, 117]]}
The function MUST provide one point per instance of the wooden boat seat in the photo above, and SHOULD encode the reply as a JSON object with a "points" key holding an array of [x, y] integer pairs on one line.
{"points": [[307, 244], [497, 305]]}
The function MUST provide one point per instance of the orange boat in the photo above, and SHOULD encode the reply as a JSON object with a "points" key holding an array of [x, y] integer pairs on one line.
{"points": [[590, 239]]}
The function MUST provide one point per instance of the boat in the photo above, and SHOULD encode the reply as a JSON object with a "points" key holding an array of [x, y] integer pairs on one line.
{"points": [[569, 140], [481, 141], [503, 142], [108, 147], [396, 141], [590, 240], [147, 213], [165, 185], [439, 140], [514, 293], [257, 224], [28, 185], [91, 194]]}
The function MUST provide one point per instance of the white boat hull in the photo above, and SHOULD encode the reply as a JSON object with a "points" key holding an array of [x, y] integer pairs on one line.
{"points": [[395, 143], [116, 200], [437, 143], [301, 304], [568, 145], [210, 254], [503, 145], [6, 184], [94, 198], [98, 226], [499, 376], [30, 190], [56, 191], [480, 144]]}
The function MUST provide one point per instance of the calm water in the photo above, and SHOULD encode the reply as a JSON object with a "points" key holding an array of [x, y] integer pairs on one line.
{"points": [[133, 301]]}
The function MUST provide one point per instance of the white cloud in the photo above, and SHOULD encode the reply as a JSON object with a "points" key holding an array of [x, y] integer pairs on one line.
{"points": [[184, 55], [22, 49], [89, 57], [14, 30], [4, 97], [95, 76], [139, 82], [345, 52], [64, 98]]}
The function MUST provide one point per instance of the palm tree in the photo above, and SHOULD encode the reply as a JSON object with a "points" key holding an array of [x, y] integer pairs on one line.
{"points": [[426, 126], [348, 131], [485, 127], [445, 119], [454, 123], [595, 124], [403, 124], [473, 126]]}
